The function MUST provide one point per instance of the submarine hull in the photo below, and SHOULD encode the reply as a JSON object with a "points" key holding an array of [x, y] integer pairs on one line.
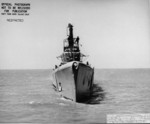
{"points": [[74, 80]]}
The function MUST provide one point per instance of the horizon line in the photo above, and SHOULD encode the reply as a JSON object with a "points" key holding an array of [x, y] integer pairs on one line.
{"points": [[52, 68]]}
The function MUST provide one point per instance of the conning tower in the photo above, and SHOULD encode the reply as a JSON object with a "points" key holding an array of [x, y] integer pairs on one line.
{"points": [[71, 51]]}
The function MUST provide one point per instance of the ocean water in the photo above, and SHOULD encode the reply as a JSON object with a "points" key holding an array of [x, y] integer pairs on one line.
{"points": [[27, 96]]}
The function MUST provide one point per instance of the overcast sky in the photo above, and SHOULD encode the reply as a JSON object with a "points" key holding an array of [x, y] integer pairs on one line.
{"points": [[114, 33]]}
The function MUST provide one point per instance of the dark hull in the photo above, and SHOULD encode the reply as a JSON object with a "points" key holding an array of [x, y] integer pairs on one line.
{"points": [[74, 80]]}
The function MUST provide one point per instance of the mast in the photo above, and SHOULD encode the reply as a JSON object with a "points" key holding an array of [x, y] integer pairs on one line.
{"points": [[70, 37]]}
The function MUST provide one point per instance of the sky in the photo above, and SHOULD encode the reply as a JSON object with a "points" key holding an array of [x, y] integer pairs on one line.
{"points": [[114, 33]]}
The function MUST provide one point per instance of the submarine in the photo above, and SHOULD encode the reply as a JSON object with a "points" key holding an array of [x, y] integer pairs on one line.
{"points": [[73, 78]]}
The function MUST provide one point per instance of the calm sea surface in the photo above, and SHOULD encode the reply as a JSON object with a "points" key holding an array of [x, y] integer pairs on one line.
{"points": [[27, 96]]}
